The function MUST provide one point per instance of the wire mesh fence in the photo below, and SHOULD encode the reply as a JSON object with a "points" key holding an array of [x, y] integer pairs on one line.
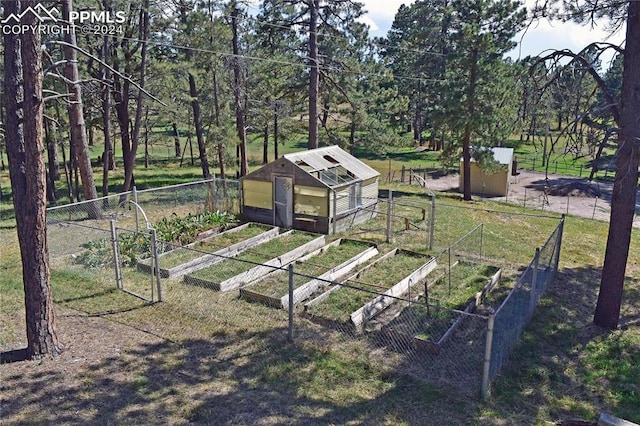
{"points": [[399, 218], [429, 314], [515, 311], [140, 209]]}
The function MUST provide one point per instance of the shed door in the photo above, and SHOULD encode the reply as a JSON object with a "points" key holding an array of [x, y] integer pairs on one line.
{"points": [[283, 202]]}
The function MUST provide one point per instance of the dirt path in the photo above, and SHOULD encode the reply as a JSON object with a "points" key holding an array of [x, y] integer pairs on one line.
{"points": [[564, 194]]}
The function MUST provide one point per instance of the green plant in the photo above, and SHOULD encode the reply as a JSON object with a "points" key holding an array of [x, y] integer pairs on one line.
{"points": [[98, 253], [184, 230]]}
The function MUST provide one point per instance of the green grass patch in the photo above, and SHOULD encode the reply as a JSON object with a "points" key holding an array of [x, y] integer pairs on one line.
{"points": [[273, 248], [90, 292], [378, 277], [453, 290], [430, 322], [612, 368], [278, 284], [182, 255]]}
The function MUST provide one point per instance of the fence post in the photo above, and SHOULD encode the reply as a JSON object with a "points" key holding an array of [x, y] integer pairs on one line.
{"points": [[389, 203], [487, 356], [556, 261], [481, 237], [432, 221], [156, 264], [214, 193], [534, 284], [403, 173], [116, 257], [290, 337], [335, 210], [135, 200], [449, 270]]}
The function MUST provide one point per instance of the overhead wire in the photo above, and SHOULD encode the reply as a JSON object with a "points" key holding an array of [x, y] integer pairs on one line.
{"points": [[276, 61]]}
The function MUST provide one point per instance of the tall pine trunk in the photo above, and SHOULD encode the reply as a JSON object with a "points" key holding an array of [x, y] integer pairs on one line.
{"points": [[314, 74], [237, 90], [625, 186], [76, 118], [195, 104], [25, 148], [108, 162], [466, 142]]}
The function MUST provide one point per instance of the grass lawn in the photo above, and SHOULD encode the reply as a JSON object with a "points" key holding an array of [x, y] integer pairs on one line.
{"points": [[212, 358], [431, 322], [252, 257], [378, 277], [220, 241], [277, 285]]}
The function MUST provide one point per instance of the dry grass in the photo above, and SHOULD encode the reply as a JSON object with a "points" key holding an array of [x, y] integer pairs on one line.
{"points": [[206, 357]]}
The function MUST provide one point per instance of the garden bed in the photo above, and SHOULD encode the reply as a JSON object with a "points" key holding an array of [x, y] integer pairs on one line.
{"points": [[184, 260], [428, 326], [396, 269], [327, 264], [256, 262]]}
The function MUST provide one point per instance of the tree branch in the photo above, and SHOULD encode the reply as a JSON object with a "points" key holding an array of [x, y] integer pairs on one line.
{"points": [[110, 68]]}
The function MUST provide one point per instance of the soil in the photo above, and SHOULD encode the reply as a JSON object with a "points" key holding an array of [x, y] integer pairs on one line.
{"points": [[559, 194]]}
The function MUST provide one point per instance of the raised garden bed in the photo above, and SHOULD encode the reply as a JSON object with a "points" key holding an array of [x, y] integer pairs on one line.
{"points": [[184, 260], [429, 326], [259, 261], [398, 269], [327, 264]]}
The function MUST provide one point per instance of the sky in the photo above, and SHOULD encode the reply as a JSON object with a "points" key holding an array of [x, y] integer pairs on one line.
{"points": [[540, 37]]}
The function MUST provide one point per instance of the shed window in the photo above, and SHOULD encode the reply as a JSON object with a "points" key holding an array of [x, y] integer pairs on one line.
{"points": [[355, 195]]}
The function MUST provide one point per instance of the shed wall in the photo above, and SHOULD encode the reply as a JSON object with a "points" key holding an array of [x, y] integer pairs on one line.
{"points": [[487, 184]]}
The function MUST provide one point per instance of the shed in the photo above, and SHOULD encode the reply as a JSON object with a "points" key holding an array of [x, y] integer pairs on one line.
{"points": [[496, 184], [322, 190]]}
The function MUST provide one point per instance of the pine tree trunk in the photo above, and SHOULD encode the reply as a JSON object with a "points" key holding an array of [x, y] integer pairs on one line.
{"points": [[466, 148], [314, 75], [176, 139], [76, 119], [237, 90], [625, 187], [265, 144], [25, 148], [195, 104]]}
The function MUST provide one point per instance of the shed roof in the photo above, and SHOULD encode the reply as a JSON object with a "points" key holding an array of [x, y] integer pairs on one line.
{"points": [[329, 157], [501, 155]]}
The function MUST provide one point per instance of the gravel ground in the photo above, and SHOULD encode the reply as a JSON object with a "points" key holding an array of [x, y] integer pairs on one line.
{"points": [[564, 194]]}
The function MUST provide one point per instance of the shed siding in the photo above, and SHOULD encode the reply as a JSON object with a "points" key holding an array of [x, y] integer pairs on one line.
{"points": [[369, 193], [257, 194], [495, 184], [342, 203]]}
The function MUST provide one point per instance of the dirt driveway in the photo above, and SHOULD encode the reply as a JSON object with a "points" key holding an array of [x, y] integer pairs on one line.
{"points": [[564, 194]]}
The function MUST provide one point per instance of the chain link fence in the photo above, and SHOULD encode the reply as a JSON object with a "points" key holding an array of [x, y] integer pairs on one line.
{"points": [[399, 218], [140, 209], [508, 321], [429, 314]]}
